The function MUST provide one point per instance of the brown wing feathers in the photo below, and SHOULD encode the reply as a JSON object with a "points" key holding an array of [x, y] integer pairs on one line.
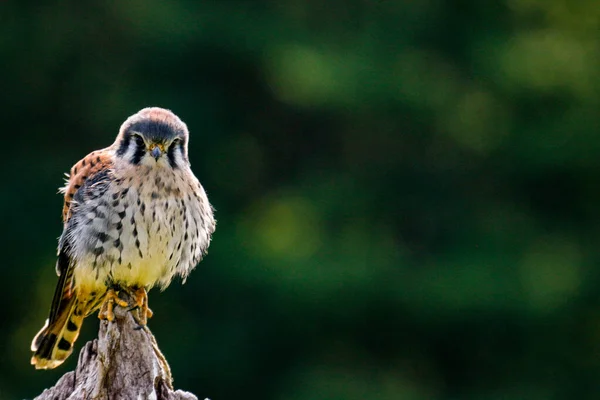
{"points": [[53, 344], [90, 165]]}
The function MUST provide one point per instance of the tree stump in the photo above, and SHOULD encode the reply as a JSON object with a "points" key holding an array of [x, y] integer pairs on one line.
{"points": [[123, 363]]}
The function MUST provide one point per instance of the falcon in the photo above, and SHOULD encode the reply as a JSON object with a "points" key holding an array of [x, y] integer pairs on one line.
{"points": [[134, 216]]}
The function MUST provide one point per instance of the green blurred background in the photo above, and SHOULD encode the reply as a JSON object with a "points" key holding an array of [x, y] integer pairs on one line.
{"points": [[407, 191]]}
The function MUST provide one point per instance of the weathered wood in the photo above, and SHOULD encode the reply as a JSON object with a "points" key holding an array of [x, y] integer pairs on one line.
{"points": [[123, 363]]}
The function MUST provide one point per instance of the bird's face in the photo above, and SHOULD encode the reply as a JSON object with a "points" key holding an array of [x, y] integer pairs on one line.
{"points": [[149, 150], [154, 138]]}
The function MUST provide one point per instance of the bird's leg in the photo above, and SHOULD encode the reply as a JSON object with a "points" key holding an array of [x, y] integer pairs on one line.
{"points": [[140, 302], [107, 309]]}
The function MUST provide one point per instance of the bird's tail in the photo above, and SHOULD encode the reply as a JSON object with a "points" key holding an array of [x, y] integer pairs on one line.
{"points": [[54, 343]]}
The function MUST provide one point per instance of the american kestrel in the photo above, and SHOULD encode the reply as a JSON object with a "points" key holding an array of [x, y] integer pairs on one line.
{"points": [[135, 216]]}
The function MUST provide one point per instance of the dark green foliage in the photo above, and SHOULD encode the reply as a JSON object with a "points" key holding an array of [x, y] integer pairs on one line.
{"points": [[407, 191]]}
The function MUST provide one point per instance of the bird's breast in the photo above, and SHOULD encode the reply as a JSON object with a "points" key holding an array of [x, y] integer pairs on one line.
{"points": [[146, 229]]}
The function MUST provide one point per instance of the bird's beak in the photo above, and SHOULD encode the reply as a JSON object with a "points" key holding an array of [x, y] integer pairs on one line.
{"points": [[156, 150]]}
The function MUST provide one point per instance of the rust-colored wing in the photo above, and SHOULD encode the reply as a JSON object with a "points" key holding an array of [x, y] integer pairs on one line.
{"points": [[91, 169], [53, 344], [92, 164]]}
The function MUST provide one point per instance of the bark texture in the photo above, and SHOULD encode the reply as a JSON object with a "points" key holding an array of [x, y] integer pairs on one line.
{"points": [[123, 363]]}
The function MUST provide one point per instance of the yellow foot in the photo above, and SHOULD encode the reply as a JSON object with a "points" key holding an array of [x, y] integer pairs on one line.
{"points": [[140, 302], [107, 309]]}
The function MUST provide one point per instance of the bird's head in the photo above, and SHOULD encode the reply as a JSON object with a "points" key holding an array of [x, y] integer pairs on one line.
{"points": [[153, 137]]}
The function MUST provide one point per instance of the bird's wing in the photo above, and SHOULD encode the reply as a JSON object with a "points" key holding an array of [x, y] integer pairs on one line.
{"points": [[86, 169], [88, 178]]}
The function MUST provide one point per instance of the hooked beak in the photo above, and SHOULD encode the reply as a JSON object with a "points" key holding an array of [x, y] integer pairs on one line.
{"points": [[156, 150]]}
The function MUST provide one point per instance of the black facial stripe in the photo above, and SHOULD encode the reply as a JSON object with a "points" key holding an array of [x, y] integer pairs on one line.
{"points": [[171, 155], [124, 145], [140, 150]]}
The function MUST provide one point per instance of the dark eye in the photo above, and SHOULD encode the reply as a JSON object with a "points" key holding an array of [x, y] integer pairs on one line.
{"points": [[174, 144], [139, 147], [139, 141]]}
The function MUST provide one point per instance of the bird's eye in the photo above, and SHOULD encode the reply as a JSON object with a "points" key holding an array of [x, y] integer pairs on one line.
{"points": [[174, 143], [139, 140], [139, 148]]}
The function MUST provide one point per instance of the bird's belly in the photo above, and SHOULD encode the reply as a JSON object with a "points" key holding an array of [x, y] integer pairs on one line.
{"points": [[150, 245], [142, 272], [136, 274], [152, 268], [141, 236], [149, 256]]}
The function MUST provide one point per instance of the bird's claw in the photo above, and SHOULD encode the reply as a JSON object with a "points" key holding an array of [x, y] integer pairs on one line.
{"points": [[140, 303], [108, 305]]}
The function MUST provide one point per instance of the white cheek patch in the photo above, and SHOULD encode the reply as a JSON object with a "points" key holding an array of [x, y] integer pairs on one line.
{"points": [[131, 149], [179, 158]]}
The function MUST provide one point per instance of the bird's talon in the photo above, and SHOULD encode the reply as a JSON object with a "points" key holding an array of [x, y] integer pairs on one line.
{"points": [[121, 302], [108, 305], [140, 302]]}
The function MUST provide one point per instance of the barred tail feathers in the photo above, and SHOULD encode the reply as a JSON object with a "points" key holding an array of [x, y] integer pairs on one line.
{"points": [[54, 343]]}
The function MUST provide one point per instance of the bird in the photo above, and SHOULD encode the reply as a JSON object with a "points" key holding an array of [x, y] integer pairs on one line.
{"points": [[134, 217]]}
